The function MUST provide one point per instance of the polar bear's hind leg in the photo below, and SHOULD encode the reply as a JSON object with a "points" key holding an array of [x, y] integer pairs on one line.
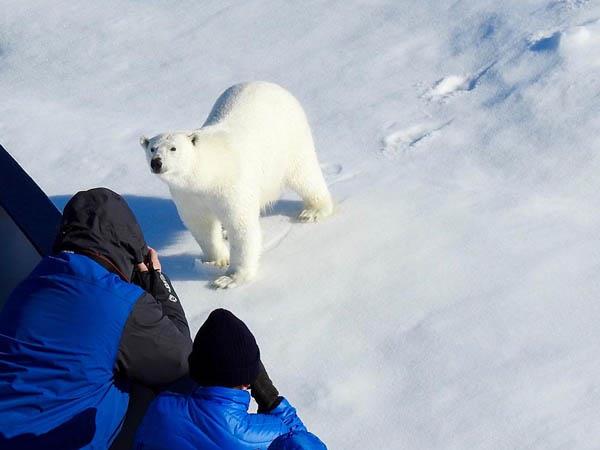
{"points": [[309, 184]]}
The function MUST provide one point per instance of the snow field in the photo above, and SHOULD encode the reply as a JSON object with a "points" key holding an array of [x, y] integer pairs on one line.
{"points": [[451, 302]]}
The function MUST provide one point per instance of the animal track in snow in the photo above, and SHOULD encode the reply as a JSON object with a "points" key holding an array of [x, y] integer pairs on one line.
{"points": [[331, 169], [446, 86], [334, 173], [575, 44], [452, 84], [545, 42], [412, 136]]}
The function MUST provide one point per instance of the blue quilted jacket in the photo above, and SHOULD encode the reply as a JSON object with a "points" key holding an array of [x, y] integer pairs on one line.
{"points": [[212, 418], [59, 336]]}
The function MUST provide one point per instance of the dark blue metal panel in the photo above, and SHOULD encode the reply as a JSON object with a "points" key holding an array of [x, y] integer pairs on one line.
{"points": [[27, 205]]}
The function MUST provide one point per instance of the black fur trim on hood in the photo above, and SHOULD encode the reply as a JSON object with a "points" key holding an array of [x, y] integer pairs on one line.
{"points": [[98, 223]]}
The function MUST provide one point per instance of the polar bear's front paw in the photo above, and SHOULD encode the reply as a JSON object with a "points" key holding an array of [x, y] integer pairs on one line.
{"points": [[312, 215], [232, 279], [224, 282]]}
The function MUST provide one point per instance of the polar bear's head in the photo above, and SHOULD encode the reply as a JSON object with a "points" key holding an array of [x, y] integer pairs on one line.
{"points": [[189, 160], [169, 154]]}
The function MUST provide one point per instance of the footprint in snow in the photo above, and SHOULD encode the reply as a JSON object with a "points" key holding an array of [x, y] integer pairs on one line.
{"points": [[331, 169], [545, 42], [412, 136], [335, 173], [574, 42], [452, 84]]}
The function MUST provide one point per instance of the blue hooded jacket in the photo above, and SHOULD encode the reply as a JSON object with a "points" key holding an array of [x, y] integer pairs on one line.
{"points": [[212, 418], [59, 338], [76, 330]]}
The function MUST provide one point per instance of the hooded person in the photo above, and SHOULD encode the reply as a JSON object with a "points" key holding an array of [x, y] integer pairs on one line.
{"points": [[225, 362], [87, 321]]}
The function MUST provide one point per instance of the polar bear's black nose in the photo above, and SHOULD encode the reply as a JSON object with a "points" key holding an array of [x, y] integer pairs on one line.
{"points": [[156, 165]]}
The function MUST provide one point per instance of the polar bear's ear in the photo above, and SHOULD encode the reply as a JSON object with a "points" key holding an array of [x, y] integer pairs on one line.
{"points": [[144, 141], [194, 138]]}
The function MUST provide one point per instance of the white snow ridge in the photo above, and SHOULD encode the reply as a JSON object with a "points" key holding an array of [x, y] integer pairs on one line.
{"points": [[452, 301], [448, 85]]}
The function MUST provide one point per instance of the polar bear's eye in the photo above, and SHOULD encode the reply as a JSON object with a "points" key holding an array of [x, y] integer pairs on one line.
{"points": [[152, 150], [173, 149]]}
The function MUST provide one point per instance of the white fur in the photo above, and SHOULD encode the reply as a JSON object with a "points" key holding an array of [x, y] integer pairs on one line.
{"points": [[255, 142]]}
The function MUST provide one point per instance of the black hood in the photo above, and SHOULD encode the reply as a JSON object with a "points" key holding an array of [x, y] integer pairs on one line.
{"points": [[98, 223]]}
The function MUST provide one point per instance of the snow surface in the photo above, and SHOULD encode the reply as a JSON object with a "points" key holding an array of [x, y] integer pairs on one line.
{"points": [[453, 300]]}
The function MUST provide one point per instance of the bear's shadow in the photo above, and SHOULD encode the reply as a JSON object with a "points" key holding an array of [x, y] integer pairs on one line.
{"points": [[286, 208], [161, 225]]}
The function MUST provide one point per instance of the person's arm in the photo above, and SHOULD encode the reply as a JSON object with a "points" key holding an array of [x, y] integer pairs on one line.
{"points": [[159, 286], [262, 429], [285, 412], [270, 402], [264, 391], [156, 341], [153, 350]]}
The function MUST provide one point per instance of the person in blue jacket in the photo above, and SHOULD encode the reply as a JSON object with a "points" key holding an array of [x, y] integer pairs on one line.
{"points": [[93, 317], [225, 362]]}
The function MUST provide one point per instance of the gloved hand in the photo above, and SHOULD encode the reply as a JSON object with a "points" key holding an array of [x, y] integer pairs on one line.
{"points": [[264, 392], [149, 277], [155, 283]]}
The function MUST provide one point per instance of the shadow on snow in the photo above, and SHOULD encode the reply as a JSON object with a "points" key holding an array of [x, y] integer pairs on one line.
{"points": [[161, 225]]}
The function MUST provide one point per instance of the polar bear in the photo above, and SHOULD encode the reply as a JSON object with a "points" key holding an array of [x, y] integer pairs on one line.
{"points": [[255, 142]]}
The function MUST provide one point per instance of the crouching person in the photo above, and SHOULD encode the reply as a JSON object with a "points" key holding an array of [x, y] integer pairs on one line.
{"points": [[225, 363], [76, 331]]}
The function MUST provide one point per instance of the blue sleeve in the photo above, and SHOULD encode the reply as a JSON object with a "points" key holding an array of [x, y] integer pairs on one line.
{"points": [[287, 414], [264, 428]]}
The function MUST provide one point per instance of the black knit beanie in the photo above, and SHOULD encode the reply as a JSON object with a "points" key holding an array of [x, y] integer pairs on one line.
{"points": [[225, 352]]}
